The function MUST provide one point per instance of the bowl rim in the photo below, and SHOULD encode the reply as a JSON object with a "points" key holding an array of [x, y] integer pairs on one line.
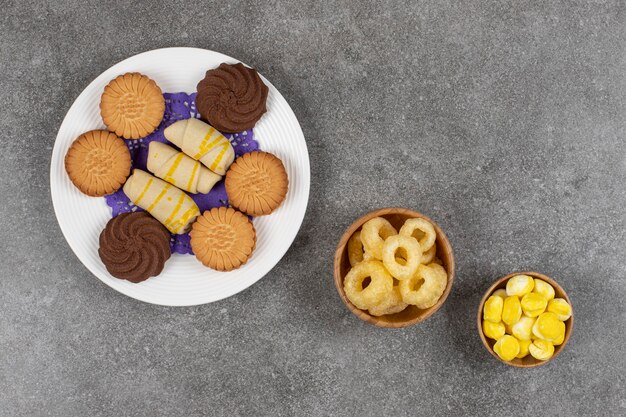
{"points": [[569, 323], [341, 247]]}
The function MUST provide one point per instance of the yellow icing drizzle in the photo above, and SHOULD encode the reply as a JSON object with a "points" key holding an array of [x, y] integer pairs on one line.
{"points": [[182, 220], [159, 197], [193, 175], [219, 156], [179, 204], [145, 189], [203, 147], [168, 176]]}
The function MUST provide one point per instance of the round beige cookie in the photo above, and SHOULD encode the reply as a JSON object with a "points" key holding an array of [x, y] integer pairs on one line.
{"points": [[223, 238], [257, 183], [98, 163], [132, 105]]}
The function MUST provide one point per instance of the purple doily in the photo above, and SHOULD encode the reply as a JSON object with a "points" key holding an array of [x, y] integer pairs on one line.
{"points": [[179, 106]]}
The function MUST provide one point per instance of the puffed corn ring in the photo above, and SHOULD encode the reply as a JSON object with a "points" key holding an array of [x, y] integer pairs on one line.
{"points": [[391, 304], [412, 254], [519, 285], [548, 327], [373, 234], [380, 285], [507, 347], [433, 279], [422, 230], [493, 330], [355, 249], [523, 329], [561, 308], [493, 309], [543, 288], [533, 304], [511, 310], [540, 349], [435, 260], [523, 348]]}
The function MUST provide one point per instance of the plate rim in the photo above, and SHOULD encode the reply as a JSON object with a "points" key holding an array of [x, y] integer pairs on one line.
{"points": [[304, 170]]}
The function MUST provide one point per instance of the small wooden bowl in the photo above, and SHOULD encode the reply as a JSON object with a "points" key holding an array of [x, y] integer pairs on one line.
{"points": [[411, 315], [528, 361]]}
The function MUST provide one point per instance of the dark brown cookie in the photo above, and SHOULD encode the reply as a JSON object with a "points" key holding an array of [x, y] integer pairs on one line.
{"points": [[232, 97], [134, 246]]}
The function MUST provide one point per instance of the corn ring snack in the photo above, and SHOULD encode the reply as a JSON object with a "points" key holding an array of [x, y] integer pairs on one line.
{"points": [[412, 256], [355, 249], [429, 256], [380, 285], [391, 304], [433, 279], [421, 230], [373, 234]]}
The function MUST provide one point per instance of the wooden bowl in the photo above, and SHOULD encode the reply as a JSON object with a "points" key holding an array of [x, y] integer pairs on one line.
{"points": [[411, 315], [528, 361]]}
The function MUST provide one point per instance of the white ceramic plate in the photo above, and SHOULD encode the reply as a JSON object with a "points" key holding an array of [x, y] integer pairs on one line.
{"points": [[184, 281]]}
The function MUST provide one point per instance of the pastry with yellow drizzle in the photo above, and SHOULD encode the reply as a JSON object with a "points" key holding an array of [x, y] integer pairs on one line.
{"points": [[203, 143], [169, 205], [180, 170]]}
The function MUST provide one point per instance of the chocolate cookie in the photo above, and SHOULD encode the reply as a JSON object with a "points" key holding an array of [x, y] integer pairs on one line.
{"points": [[232, 97], [98, 163], [257, 183], [134, 246]]}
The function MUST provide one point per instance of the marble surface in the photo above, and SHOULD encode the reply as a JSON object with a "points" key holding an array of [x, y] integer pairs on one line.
{"points": [[502, 120]]}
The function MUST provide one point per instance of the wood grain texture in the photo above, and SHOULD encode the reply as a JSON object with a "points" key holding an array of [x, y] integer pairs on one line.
{"points": [[411, 315], [528, 361]]}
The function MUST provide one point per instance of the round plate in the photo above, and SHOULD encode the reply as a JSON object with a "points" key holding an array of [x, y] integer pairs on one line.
{"points": [[184, 281]]}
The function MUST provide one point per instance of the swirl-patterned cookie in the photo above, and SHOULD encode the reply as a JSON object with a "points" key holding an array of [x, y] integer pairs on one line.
{"points": [[132, 105], [232, 98], [257, 183], [98, 163], [223, 238], [134, 246]]}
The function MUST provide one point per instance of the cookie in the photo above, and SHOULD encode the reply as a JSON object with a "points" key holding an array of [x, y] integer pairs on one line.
{"points": [[256, 183], [134, 246], [132, 105], [98, 163], [223, 238], [232, 98]]}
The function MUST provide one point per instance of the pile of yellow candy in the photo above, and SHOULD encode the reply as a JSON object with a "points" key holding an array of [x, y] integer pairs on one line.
{"points": [[525, 319]]}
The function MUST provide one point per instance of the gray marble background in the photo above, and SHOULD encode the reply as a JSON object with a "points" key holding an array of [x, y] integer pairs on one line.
{"points": [[503, 120]]}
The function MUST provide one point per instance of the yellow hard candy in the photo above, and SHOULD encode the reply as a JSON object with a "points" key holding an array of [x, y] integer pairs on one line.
{"points": [[543, 288], [493, 309], [523, 329], [493, 330], [540, 349], [500, 293], [559, 340], [507, 347], [561, 308], [519, 285], [533, 304], [548, 327], [511, 310], [523, 348]]}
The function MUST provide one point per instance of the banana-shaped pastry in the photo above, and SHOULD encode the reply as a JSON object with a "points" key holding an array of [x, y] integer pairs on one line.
{"points": [[203, 143], [180, 170], [166, 203]]}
